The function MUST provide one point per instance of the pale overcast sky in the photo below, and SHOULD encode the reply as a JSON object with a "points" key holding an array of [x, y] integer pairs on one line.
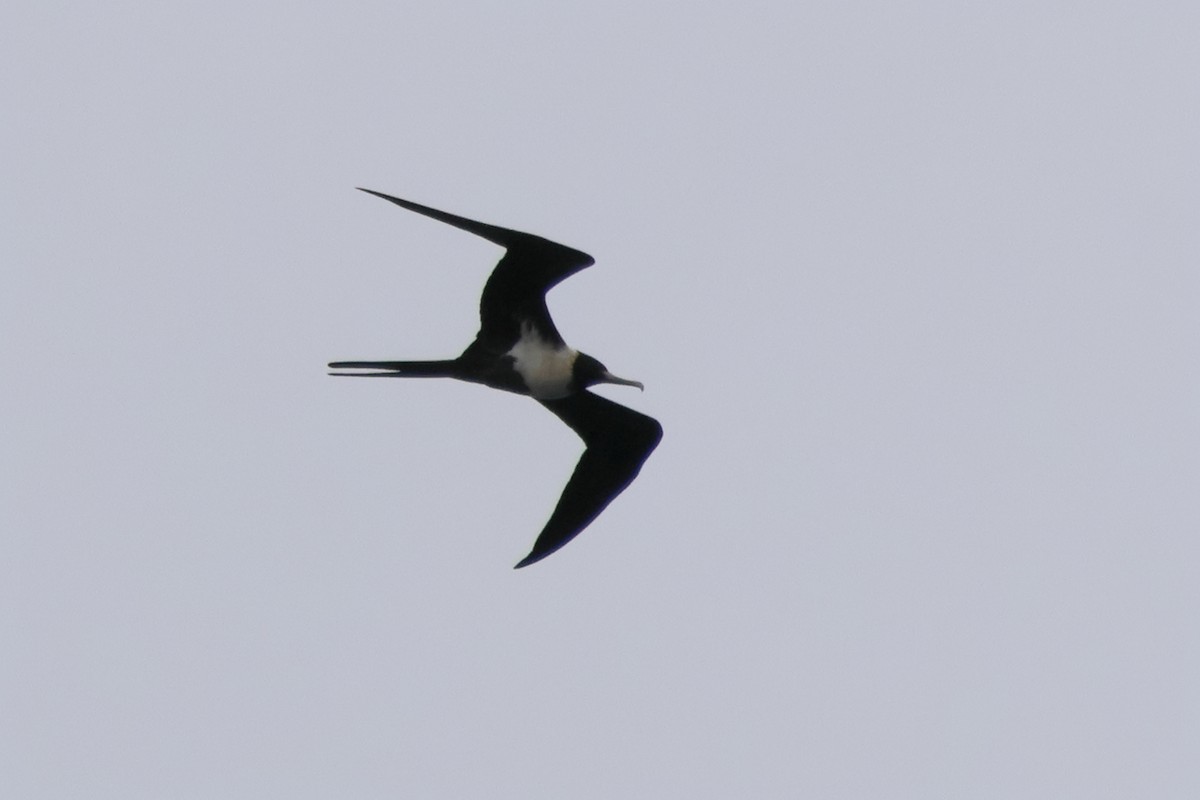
{"points": [[913, 289]]}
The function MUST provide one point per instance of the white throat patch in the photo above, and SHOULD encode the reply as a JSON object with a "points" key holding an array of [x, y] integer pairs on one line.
{"points": [[546, 369]]}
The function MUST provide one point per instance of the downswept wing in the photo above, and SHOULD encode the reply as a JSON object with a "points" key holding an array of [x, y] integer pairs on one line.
{"points": [[618, 440], [517, 286]]}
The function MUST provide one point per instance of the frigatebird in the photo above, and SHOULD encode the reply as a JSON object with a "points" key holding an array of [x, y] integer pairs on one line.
{"points": [[519, 350]]}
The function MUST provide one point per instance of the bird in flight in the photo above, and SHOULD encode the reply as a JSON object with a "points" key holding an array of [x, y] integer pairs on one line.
{"points": [[519, 350]]}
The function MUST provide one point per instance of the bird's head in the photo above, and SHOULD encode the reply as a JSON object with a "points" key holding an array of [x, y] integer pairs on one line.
{"points": [[587, 371]]}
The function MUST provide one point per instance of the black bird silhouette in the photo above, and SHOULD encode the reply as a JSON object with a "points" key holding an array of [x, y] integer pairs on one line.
{"points": [[518, 349]]}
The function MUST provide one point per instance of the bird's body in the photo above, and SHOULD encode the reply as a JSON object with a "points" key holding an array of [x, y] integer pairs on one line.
{"points": [[518, 349], [545, 368]]}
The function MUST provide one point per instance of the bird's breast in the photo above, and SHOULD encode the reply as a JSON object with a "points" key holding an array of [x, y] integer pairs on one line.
{"points": [[545, 368]]}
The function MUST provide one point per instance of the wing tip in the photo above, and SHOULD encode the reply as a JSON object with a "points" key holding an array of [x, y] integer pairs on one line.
{"points": [[532, 558], [541, 551]]}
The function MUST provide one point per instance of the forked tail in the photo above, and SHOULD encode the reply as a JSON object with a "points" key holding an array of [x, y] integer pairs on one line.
{"points": [[398, 369]]}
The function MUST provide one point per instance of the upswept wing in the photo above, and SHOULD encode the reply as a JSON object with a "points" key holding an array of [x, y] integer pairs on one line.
{"points": [[618, 440], [517, 287]]}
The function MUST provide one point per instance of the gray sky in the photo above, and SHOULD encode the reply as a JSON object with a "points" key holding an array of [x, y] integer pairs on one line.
{"points": [[912, 287]]}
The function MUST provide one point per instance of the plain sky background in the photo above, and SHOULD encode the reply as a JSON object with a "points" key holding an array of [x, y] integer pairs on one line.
{"points": [[913, 289]]}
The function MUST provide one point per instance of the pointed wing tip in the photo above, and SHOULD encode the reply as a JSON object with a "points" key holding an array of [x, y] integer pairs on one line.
{"points": [[541, 551], [402, 203], [530, 559]]}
